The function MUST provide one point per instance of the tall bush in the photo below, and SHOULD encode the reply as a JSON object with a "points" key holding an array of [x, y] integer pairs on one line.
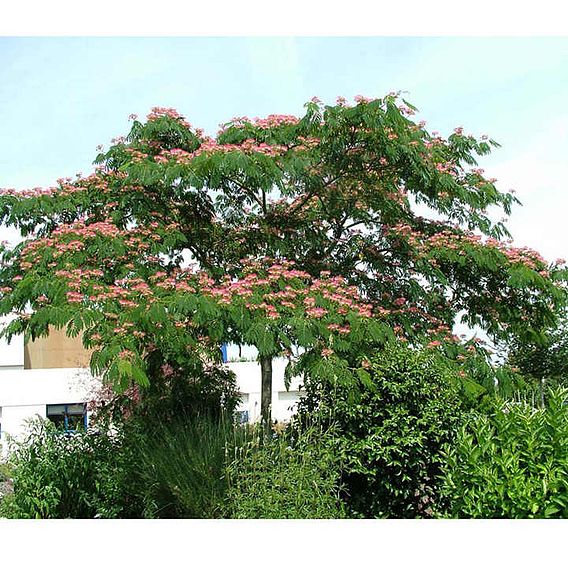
{"points": [[389, 434], [182, 463]]}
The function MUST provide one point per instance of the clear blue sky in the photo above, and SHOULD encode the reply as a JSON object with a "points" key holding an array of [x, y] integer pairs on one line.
{"points": [[61, 97]]}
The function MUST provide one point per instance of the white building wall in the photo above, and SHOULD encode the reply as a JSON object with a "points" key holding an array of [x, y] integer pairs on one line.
{"points": [[248, 381], [45, 386], [25, 393], [11, 354], [15, 419]]}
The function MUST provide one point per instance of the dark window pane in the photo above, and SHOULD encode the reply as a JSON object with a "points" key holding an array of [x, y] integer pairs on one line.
{"points": [[67, 417], [75, 422], [59, 421], [55, 409], [76, 409]]}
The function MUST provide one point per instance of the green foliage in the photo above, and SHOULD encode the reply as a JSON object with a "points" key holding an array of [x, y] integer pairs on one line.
{"points": [[5, 471], [291, 475], [510, 464], [8, 510], [6, 495], [388, 436], [82, 475], [546, 360], [333, 191], [210, 391], [483, 380], [181, 466]]}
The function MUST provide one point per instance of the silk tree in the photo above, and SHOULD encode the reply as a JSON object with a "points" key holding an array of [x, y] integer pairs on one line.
{"points": [[335, 192]]}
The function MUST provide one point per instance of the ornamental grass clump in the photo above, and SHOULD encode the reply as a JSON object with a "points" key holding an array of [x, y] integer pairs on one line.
{"points": [[181, 466]]}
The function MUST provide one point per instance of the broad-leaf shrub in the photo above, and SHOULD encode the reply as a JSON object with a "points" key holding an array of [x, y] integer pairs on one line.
{"points": [[292, 475], [512, 463], [389, 434], [83, 475]]}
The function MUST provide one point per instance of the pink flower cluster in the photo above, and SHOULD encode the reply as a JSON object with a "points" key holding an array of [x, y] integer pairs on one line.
{"points": [[361, 99], [81, 229], [462, 240], [78, 231], [307, 142], [73, 237], [273, 288], [159, 112], [406, 110], [210, 146], [273, 120], [28, 193], [446, 168], [137, 155]]}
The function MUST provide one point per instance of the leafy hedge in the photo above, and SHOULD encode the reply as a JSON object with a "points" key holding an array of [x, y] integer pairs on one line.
{"points": [[512, 463]]}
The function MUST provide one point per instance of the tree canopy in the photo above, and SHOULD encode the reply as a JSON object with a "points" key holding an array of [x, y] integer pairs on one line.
{"points": [[280, 232]]}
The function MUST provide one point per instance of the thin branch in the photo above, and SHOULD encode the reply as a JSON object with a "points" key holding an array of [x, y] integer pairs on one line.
{"points": [[249, 192]]}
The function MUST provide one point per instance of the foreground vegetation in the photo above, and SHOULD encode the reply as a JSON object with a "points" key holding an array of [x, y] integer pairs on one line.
{"points": [[408, 444]]}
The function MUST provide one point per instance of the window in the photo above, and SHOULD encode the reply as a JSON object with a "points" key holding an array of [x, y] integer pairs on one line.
{"points": [[68, 417], [242, 413], [242, 416]]}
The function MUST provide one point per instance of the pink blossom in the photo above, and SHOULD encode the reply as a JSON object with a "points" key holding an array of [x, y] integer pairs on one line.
{"points": [[167, 370]]}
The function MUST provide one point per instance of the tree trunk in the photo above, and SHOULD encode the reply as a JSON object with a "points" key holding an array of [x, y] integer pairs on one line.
{"points": [[266, 391]]}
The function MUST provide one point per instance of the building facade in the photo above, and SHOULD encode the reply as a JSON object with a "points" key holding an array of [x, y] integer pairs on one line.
{"points": [[50, 378]]}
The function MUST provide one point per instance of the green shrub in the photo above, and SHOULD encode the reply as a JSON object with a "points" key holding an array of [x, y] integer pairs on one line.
{"points": [[5, 472], [389, 434], [511, 464], [293, 475], [82, 475], [6, 496], [7, 510]]}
